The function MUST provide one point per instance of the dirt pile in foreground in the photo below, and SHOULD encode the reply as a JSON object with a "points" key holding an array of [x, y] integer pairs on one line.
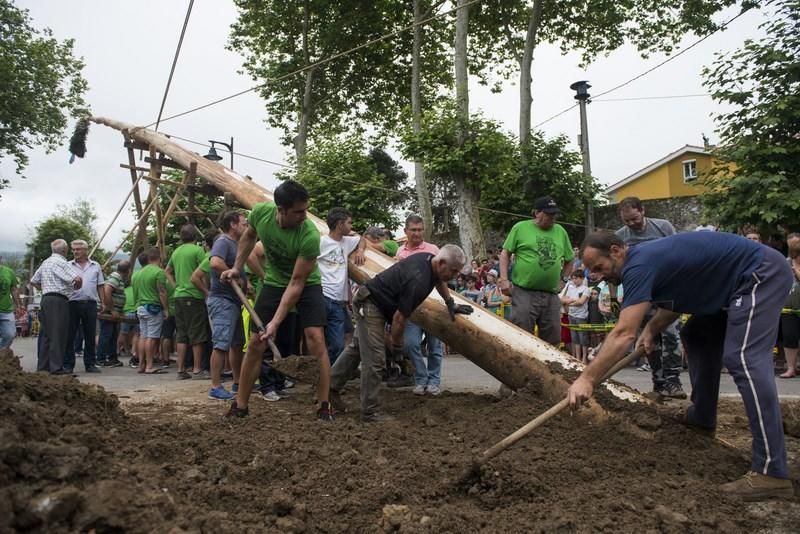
{"points": [[71, 460]]}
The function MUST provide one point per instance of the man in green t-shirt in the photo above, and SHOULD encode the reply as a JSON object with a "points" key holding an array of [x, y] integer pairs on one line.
{"points": [[291, 246], [152, 307], [543, 259], [191, 316], [9, 303]]}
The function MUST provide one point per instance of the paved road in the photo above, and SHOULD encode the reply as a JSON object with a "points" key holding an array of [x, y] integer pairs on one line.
{"points": [[459, 374]]}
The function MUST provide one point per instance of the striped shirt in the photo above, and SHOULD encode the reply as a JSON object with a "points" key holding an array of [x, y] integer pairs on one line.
{"points": [[117, 284], [55, 275]]}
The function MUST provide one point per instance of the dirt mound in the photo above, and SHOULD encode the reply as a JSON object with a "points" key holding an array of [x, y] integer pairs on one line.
{"points": [[71, 460], [301, 368]]}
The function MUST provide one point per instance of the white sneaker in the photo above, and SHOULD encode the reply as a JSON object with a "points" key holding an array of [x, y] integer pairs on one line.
{"points": [[419, 390], [270, 396], [434, 390]]}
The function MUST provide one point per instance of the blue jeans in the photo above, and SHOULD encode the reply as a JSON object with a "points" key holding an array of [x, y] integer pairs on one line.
{"points": [[83, 317], [107, 343], [334, 331], [432, 374], [8, 329]]}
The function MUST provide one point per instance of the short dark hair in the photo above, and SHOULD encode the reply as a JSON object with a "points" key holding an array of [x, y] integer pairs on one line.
{"points": [[210, 237], [153, 254], [374, 232], [414, 219], [631, 203], [289, 193], [228, 219], [337, 215], [142, 258], [188, 233], [123, 267], [578, 273], [602, 241]]}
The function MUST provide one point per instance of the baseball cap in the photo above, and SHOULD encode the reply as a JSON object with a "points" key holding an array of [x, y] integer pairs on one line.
{"points": [[547, 205]]}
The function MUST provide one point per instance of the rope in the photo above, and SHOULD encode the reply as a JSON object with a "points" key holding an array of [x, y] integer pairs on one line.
{"points": [[174, 63]]}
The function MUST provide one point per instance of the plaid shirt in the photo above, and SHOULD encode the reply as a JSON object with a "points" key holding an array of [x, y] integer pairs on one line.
{"points": [[55, 275]]}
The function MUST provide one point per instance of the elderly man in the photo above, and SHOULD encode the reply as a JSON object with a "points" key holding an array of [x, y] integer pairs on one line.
{"points": [[735, 290], [543, 258], [427, 379], [57, 281], [392, 296], [83, 307], [113, 305], [665, 360]]}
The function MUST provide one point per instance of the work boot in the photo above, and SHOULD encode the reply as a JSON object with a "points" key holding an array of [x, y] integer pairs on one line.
{"points": [[337, 402], [681, 415], [673, 390], [757, 487], [400, 381], [376, 417]]}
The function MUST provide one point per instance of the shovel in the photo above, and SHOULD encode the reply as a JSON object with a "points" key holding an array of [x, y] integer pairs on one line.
{"points": [[308, 371], [511, 439]]}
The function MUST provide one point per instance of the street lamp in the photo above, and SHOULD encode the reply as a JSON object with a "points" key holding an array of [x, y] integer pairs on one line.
{"points": [[582, 95], [212, 152]]}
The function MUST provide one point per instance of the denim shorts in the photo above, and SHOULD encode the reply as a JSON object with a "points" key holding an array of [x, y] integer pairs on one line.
{"points": [[149, 323], [226, 323], [126, 327]]}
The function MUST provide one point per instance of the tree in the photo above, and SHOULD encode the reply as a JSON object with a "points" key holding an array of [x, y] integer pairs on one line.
{"points": [[339, 171], [83, 212], [70, 222], [755, 181], [40, 86]]}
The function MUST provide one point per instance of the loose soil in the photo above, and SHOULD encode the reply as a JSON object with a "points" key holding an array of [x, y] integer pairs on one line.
{"points": [[72, 460]]}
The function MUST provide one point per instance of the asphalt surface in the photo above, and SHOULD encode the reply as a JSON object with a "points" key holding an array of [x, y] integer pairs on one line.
{"points": [[458, 375]]}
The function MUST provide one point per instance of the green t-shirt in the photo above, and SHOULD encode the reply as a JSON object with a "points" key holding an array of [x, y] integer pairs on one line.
{"points": [[130, 302], [205, 265], [145, 285], [540, 255], [184, 261], [8, 280], [390, 247], [282, 247]]}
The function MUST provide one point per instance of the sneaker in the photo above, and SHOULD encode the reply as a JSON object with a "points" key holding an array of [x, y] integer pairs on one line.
{"points": [[434, 389], [337, 402], [673, 391], [235, 388], [401, 381], [227, 374], [235, 411], [114, 363], [133, 363], [183, 375], [93, 369], [645, 367], [282, 393], [757, 487], [202, 375], [101, 363], [220, 393], [325, 412], [376, 417], [270, 396], [419, 390], [288, 384]]}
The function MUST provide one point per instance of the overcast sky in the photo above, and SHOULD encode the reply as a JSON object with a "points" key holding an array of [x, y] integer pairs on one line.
{"points": [[128, 49]]}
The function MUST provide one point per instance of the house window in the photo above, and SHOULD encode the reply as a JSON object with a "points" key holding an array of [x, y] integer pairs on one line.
{"points": [[689, 170]]}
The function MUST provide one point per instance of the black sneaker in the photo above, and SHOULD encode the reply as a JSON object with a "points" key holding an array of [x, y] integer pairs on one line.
{"points": [[101, 363], [133, 363], [183, 375], [114, 363], [325, 412], [673, 391], [401, 381], [236, 413], [93, 369]]}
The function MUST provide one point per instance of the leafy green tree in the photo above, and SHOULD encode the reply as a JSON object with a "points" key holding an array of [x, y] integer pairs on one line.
{"points": [[756, 180], [40, 86], [70, 222], [340, 171], [83, 212]]}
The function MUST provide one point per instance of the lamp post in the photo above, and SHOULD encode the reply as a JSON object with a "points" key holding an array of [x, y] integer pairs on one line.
{"points": [[582, 95], [212, 152]]}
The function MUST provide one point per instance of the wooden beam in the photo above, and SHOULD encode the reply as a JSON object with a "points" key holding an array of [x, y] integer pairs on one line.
{"points": [[163, 162], [134, 168], [141, 236], [136, 145], [162, 181], [155, 173], [189, 176]]}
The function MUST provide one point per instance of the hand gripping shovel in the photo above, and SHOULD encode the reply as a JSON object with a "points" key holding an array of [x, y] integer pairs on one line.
{"points": [[511, 439], [303, 371]]}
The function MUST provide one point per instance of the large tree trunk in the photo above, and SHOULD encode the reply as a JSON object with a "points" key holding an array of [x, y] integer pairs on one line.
{"points": [[469, 221], [513, 356], [525, 93], [304, 115], [421, 181]]}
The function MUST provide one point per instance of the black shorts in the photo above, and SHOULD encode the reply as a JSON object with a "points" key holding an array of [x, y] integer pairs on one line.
{"points": [[168, 328], [790, 328], [311, 310], [191, 320]]}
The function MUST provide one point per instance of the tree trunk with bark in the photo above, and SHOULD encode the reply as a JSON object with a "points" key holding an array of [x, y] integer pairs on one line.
{"points": [[306, 105], [525, 77], [513, 356], [421, 181]]}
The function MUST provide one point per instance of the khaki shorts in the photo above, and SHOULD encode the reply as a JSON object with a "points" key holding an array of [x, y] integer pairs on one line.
{"points": [[191, 321]]}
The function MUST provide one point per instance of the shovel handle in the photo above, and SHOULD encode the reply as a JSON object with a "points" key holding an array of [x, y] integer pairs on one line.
{"points": [[520, 433], [255, 318]]}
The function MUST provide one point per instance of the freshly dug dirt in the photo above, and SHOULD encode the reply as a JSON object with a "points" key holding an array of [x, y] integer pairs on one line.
{"points": [[302, 368], [72, 460]]}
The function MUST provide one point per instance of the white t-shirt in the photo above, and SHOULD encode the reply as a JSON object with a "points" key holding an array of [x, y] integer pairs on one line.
{"points": [[572, 291], [332, 262]]}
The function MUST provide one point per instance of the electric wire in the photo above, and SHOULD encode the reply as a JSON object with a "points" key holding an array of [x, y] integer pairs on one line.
{"points": [[174, 64]]}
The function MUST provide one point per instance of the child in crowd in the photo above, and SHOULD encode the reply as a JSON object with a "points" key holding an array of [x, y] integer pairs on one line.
{"points": [[576, 296], [471, 292], [491, 297]]}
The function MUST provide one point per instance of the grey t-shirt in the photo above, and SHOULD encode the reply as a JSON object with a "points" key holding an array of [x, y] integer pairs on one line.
{"points": [[653, 229], [225, 248]]}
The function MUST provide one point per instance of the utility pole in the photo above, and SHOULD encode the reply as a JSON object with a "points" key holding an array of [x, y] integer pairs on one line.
{"points": [[582, 95]]}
